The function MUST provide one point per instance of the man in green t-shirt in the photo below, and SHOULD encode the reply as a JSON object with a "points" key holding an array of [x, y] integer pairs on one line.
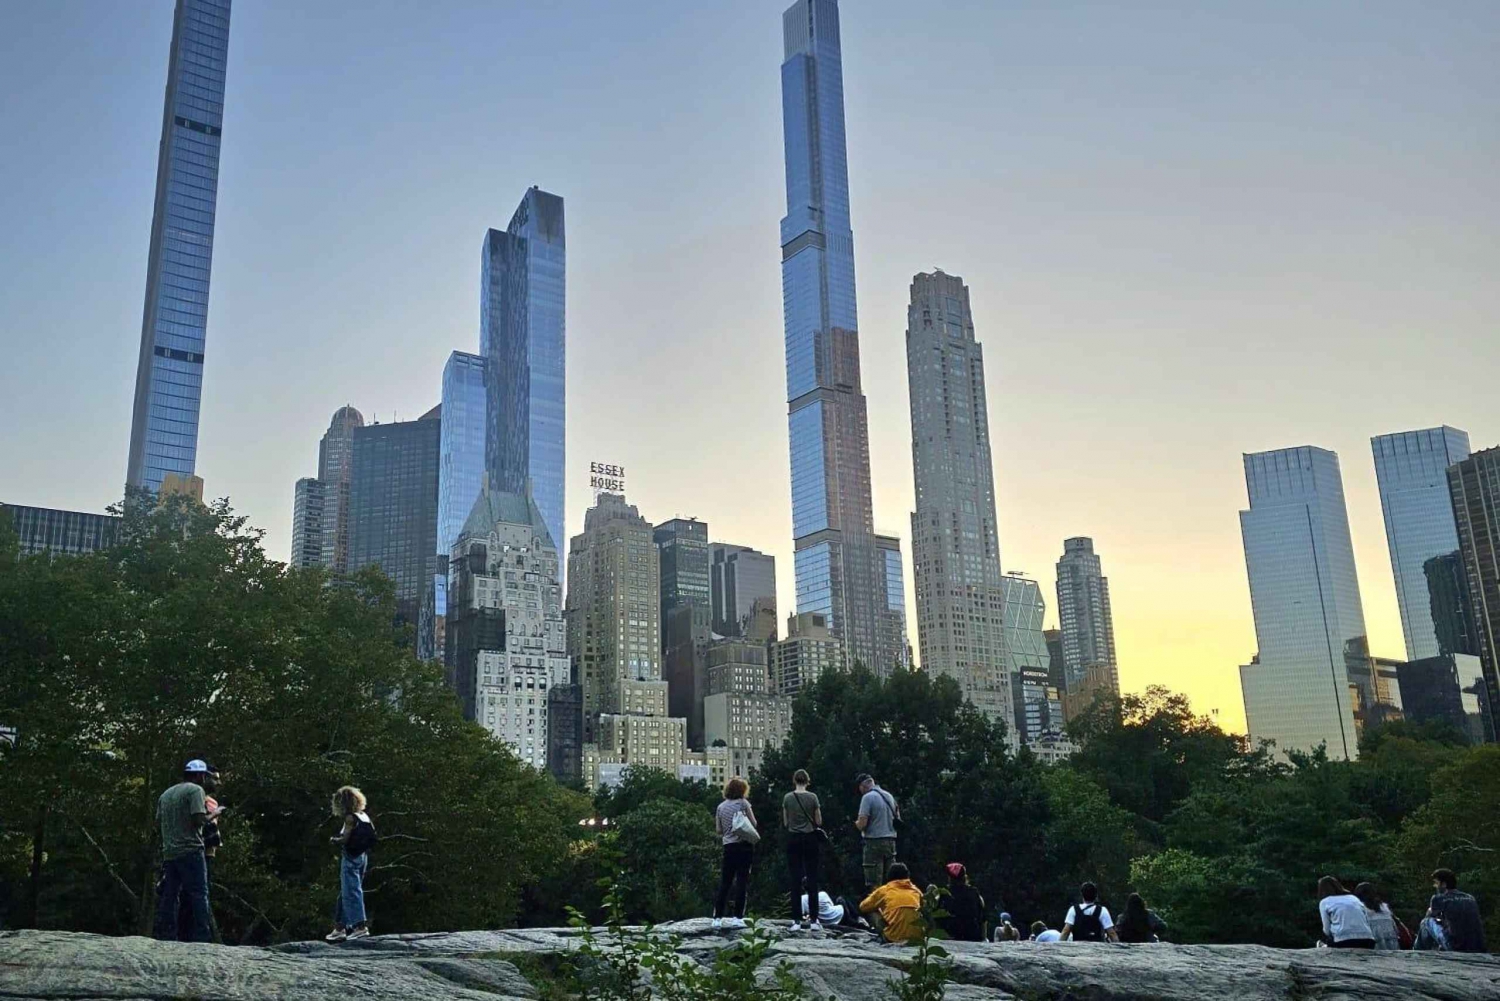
{"points": [[182, 812]]}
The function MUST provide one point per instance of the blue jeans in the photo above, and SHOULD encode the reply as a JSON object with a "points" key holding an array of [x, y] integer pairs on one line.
{"points": [[184, 876], [349, 908]]}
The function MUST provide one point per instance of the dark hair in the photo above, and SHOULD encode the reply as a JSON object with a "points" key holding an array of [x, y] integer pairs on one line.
{"points": [[1368, 895], [1446, 877], [898, 870], [801, 778], [1090, 892], [736, 788], [862, 778], [1037, 927], [1329, 886], [1135, 924]]}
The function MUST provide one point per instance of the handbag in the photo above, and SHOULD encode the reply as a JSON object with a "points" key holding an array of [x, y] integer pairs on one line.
{"points": [[896, 822], [743, 830], [822, 834]]}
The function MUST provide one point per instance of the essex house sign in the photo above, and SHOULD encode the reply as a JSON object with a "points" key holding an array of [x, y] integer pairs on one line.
{"points": [[605, 477]]}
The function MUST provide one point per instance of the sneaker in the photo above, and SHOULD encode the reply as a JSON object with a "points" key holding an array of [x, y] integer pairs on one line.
{"points": [[360, 932], [797, 926], [815, 926], [718, 924], [734, 923], [337, 935]]}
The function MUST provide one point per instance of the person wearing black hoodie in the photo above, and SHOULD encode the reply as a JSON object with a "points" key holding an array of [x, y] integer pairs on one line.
{"points": [[965, 907]]}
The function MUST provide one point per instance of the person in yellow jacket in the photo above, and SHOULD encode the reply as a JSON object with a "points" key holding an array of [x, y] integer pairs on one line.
{"points": [[897, 904]]}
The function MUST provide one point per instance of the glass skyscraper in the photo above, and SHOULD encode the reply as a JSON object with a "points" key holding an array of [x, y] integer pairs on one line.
{"points": [[839, 573], [1305, 596], [461, 452], [169, 376], [61, 533], [1411, 468], [1083, 612], [523, 340], [1474, 485]]}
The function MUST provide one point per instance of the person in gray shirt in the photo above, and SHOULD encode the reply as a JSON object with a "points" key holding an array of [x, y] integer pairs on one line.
{"points": [[878, 816]]}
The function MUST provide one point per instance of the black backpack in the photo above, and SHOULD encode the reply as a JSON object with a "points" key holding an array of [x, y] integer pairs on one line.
{"points": [[361, 839], [1087, 925]]}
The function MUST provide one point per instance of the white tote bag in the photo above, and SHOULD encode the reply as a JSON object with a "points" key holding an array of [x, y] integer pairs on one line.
{"points": [[742, 829]]}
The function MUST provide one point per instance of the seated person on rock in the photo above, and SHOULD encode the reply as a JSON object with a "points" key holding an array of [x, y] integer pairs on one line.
{"points": [[897, 906]]}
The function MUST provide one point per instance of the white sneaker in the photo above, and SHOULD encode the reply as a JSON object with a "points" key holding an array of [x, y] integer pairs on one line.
{"points": [[734, 923], [815, 926], [796, 926], [355, 933], [718, 924], [337, 935]]}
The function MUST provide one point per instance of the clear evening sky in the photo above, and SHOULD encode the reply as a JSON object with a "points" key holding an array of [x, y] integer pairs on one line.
{"points": [[1190, 230]]}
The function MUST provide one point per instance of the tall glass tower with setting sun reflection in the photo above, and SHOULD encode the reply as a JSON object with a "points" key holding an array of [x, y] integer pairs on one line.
{"points": [[840, 572]]}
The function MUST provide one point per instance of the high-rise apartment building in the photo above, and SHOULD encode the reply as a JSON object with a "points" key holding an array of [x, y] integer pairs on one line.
{"points": [[1305, 598], [523, 340], [393, 494], [686, 618], [308, 511], [335, 466], [506, 639], [890, 617], [739, 578], [1474, 486], [955, 547], [808, 652], [61, 533], [1023, 613], [1083, 612], [838, 571], [169, 374], [740, 710], [1411, 468], [614, 613]]}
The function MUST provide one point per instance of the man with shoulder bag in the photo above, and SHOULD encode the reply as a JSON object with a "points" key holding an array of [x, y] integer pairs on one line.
{"points": [[879, 816]]}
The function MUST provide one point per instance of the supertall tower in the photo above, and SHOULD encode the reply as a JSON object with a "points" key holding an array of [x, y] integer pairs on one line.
{"points": [[839, 572], [955, 548], [169, 376], [1083, 611]]}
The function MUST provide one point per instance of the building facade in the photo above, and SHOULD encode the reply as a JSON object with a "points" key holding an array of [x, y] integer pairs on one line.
{"points": [[808, 652], [1411, 469], [393, 493], [506, 642], [1025, 707], [335, 467], [523, 340], [838, 572], [1448, 688], [308, 512], [1305, 599], [461, 463], [739, 578], [955, 544], [61, 533], [686, 618], [1083, 612], [1474, 486], [740, 712], [174, 327]]}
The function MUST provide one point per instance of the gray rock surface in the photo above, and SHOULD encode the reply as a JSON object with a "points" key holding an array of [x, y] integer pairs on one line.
{"points": [[58, 966]]}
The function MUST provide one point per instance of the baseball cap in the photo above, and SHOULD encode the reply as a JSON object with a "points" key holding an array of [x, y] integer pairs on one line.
{"points": [[955, 869], [196, 765]]}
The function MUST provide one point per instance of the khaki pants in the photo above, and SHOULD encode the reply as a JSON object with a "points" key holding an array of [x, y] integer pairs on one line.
{"points": [[879, 853]]}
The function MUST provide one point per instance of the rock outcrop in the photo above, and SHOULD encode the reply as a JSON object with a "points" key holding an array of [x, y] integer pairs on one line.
{"points": [[473, 966]]}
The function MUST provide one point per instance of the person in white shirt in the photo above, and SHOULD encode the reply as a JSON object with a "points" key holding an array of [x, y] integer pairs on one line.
{"points": [[829, 913], [1041, 933], [1345, 923], [1090, 920]]}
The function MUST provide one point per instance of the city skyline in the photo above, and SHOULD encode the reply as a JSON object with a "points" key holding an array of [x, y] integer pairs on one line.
{"points": [[294, 289]]}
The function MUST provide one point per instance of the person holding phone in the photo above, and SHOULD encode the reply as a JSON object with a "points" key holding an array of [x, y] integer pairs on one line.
{"points": [[181, 813]]}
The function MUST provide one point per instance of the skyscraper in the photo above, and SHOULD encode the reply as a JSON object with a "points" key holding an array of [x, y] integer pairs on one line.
{"points": [[1305, 598], [1083, 612], [955, 548], [838, 571], [1411, 468], [739, 577], [307, 522], [1023, 614], [335, 464], [523, 340], [1474, 485], [686, 618], [393, 497], [461, 446], [169, 375], [808, 652], [507, 646], [61, 533]]}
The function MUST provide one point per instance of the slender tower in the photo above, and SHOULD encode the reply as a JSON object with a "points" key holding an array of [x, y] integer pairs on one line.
{"points": [[839, 571], [169, 376]]}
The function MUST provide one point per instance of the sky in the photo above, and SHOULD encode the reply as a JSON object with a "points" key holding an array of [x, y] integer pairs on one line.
{"points": [[1190, 231]]}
